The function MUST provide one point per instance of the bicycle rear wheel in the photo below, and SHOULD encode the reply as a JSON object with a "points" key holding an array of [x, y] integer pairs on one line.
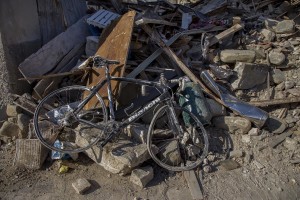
{"points": [[54, 120], [180, 138]]}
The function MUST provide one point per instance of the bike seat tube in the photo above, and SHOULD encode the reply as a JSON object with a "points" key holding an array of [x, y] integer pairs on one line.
{"points": [[109, 91]]}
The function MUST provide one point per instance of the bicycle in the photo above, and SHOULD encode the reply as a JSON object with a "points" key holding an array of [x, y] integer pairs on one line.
{"points": [[180, 139]]}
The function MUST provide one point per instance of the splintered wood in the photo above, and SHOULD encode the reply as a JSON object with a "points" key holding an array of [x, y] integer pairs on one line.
{"points": [[114, 45]]}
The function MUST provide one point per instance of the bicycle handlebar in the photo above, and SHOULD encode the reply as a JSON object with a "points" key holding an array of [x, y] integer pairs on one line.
{"points": [[99, 62]]}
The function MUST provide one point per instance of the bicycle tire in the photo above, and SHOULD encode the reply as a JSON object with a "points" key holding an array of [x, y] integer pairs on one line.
{"points": [[51, 112], [168, 136]]}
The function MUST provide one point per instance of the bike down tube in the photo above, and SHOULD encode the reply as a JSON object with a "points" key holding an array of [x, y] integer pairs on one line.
{"points": [[146, 108]]}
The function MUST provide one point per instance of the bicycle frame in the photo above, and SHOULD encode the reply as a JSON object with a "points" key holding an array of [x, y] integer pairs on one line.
{"points": [[164, 96]]}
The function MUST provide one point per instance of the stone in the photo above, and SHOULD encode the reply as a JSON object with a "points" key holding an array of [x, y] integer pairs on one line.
{"points": [[254, 132], [12, 110], [207, 169], [118, 158], [290, 144], [236, 153], [246, 138], [276, 58], [295, 92], [170, 153], [10, 129], [23, 123], [268, 35], [245, 74], [233, 56], [216, 108], [280, 86], [276, 125], [278, 76], [232, 124], [285, 26], [138, 132], [81, 185], [142, 176], [280, 95], [229, 164], [92, 45]]}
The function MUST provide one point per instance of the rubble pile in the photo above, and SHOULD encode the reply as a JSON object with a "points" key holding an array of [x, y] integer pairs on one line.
{"points": [[243, 55]]}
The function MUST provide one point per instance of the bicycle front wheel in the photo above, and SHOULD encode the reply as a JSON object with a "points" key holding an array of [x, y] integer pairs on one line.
{"points": [[180, 139], [60, 129]]}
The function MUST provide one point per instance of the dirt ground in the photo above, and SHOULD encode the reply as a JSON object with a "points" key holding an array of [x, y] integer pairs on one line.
{"points": [[277, 179]]}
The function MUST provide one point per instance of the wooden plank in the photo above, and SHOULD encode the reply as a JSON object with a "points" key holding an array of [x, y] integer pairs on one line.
{"points": [[158, 40], [51, 19], [114, 45], [73, 10], [225, 34], [193, 184], [46, 86], [50, 55]]}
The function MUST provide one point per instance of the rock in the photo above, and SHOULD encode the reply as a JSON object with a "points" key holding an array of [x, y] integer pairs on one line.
{"points": [[229, 164], [81, 185], [254, 132], [23, 123], [245, 74], [285, 26], [12, 110], [236, 154], [118, 158], [246, 138], [10, 129], [170, 153], [280, 86], [211, 157], [92, 45], [138, 132], [276, 125], [248, 157], [280, 95], [276, 58], [207, 169], [269, 35], [278, 76], [232, 56], [290, 143], [215, 108], [232, 124], [295, 92], [142, 176], [258, 164]]}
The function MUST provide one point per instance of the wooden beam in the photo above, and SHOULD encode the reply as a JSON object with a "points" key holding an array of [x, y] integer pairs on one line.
{"points": [[114, 45], [193, 184], [225, 34]]}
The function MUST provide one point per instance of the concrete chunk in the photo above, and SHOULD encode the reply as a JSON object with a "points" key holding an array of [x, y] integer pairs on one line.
{"points": [[9, 129], [142, 176], [81, 185], [118, 158], [285, 26], [12, 110], [233, 124], [232, 56], [268, 35], [276, 58], [246, 73]]}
